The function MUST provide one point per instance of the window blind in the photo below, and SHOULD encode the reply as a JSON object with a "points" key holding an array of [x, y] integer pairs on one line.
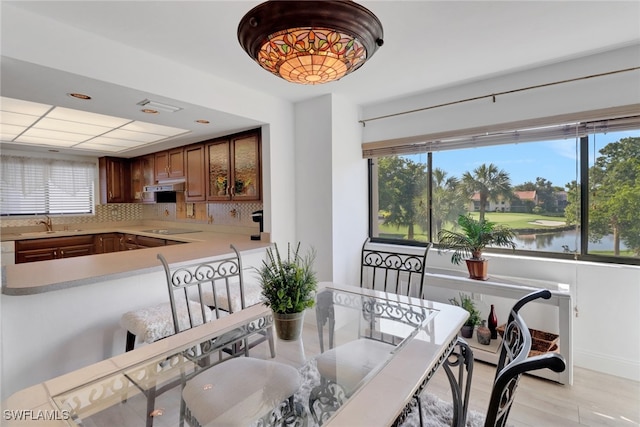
{"points": [[33, 186], [559, 127]]}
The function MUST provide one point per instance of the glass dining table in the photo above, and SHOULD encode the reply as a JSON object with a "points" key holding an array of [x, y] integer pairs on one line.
{"points": [[363, 357]]}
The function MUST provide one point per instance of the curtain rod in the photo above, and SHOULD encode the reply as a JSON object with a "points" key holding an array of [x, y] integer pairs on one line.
{"points": [[493, 95]]}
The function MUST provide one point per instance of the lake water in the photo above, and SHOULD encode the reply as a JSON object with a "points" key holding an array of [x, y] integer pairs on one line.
{"points": [[559, 241]]}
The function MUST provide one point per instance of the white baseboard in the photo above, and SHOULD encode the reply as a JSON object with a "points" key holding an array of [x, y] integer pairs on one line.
{"points": [[605, 363]]}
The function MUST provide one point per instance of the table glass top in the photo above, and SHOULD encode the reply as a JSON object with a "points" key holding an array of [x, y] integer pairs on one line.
{"points": [[347, 338]]}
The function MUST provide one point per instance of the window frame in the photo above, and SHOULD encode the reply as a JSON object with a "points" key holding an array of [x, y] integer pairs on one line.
{"points": [[582, 254]]}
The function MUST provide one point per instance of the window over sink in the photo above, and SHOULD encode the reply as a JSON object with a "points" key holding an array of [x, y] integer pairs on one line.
{"points": [[38, 186]]}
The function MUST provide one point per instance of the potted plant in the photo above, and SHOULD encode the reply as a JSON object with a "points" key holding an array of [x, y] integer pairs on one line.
{"points": [[474, 315], [471, 241], [288, 286]]}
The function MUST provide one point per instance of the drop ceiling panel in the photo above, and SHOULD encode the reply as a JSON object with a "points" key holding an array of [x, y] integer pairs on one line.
{"points": [[10, 118], [69, 126], [86, 117]]}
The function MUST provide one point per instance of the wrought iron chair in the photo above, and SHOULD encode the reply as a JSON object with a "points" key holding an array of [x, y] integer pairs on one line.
{"points": [[215, 281], [186, 309], [400, 271], [515, 360]]}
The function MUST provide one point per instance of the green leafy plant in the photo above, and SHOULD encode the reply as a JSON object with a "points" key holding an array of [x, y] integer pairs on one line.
{"points": [[289, 285], [467, 303], [474, 237]]}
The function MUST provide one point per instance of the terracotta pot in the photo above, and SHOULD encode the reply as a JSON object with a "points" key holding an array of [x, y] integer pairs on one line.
{"points": [[478, 268], [288, 326]]}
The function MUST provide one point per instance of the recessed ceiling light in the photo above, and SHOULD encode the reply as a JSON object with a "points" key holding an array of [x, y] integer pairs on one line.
{"points": [[79, 96], [203, 122], [149, 111]]}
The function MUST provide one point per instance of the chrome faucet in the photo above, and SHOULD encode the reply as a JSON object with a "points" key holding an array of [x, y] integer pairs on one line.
{"points": [[47, 223]]}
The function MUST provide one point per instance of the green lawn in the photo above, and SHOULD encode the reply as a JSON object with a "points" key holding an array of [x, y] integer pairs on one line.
{"points": [[520, 220], [513, 220]]}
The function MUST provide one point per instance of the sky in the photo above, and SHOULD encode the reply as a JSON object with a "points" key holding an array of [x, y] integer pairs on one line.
{"points": [[552, 160]]}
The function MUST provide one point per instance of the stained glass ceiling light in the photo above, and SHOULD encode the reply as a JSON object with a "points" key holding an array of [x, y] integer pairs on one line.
{"points": [[310, 42]]}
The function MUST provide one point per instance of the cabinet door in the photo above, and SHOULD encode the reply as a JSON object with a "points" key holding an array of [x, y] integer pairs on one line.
{"points": [[218, 163], [161, 165], [176, 163], [107, 242], [114, 180], [75, 250], [148, 177], [142, 173], [149, 242], [195, 181], [33, 255], [246, 168]]}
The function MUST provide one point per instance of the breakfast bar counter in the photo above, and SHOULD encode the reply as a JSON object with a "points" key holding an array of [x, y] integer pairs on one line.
{"points": [[51, 275], [60, 315]]}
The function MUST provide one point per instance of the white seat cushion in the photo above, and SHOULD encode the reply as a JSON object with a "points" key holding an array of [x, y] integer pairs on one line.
{"points": [[252, 296], [156, 322], [349, 363], [239, 391]]}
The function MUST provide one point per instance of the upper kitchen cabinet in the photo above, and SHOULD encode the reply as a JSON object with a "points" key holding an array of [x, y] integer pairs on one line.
{"points": [[169, 164], [115, 180], [234, 168], [195, 190], [142, 173]]}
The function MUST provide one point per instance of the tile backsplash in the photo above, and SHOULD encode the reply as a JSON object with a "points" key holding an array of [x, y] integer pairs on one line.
{"points": [[226, 214]]}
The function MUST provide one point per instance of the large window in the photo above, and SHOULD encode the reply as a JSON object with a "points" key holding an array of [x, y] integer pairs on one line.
{"points": [[33, 186], [538, 186]]}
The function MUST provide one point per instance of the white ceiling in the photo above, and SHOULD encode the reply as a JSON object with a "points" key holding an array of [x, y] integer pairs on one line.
{"points": [[428, 45]]}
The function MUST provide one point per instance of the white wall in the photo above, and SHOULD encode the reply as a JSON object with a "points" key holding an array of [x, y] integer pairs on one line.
{"points": [[331, 185], [607, 296]]}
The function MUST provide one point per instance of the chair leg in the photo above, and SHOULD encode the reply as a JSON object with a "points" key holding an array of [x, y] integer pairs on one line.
{"points": [[131, 341], [272, 347], [463, 359], [151, 403]]}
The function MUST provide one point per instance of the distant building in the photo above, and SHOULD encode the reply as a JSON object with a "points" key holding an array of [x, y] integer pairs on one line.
{"points": [[523, 201]]}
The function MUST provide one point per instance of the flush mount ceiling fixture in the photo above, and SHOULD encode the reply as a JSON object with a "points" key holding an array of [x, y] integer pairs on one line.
{"points": [[310, 42]]}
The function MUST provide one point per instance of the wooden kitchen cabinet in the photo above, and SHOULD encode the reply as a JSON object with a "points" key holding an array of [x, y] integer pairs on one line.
{"points": [[53, 248], [142, 174], [234, 168], [115, 180], [107, 242], [149, 242], [128, 242], [169, 164], [195, 190]]}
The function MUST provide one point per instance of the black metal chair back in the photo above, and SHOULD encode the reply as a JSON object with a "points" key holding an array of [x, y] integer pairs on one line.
{"points": [[400, 271], [515, 360], [190, 282]]}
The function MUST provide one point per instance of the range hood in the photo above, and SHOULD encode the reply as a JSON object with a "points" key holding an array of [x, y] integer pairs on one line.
{"points": [[165, 186]]}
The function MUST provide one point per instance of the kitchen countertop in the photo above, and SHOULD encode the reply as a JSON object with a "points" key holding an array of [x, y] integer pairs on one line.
{"points": [[46, 276]]}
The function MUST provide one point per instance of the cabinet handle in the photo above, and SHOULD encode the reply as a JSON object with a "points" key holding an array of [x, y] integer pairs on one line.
{"points": [[55, 254]]}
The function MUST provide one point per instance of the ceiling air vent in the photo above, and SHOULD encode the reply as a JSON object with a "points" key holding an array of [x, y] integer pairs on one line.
{"points": [[158, 106]]}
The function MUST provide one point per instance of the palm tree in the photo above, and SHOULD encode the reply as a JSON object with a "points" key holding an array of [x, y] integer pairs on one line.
{"points": [[489, 182], [448, 203]]}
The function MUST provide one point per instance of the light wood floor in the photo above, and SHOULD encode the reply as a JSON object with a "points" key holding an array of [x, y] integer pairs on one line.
{"points": [[594, 399]]}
